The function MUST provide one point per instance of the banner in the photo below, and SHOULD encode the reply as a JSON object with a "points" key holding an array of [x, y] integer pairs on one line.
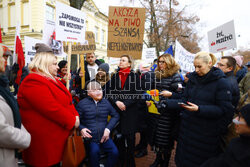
{"points": [[126, 31], [70, 23], [184, 58], [222, 38], [149, 54], [30, 50], [89, 47]]}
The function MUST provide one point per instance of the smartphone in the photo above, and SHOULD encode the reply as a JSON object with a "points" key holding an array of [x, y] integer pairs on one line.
{"points": [[182, 103]]}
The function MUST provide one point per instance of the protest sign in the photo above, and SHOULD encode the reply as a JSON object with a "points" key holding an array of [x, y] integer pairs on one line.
{"points": [[184, 58], [30, 50], [49, 38], [149, 54], [222, 38], [89, 47], [126, 31], [70, 23]]}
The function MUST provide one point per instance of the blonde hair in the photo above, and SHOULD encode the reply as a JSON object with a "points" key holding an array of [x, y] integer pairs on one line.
{"points": [[206, 57], [41, 63], [169, 60], [130, 60]]}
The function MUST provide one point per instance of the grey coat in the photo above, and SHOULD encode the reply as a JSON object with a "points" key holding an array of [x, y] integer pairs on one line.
{"points": [[11, 138]]}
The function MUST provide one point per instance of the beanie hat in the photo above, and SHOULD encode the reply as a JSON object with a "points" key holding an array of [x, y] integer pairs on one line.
{"points": [[104, 66], [239, 60], [41, 47], [245, 112], [62, 64]]}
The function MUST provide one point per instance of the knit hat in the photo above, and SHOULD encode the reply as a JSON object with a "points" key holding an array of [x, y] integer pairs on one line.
{"points": [[41, 47], [61, 64], [245, 112], [239, 60], [104, 66]]}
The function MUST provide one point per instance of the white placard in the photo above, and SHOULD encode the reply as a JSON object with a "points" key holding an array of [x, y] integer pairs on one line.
{"points": [[70, 23], [222, 38], [114, 61], [48, 32], [149, 54], [30, 50], [184, 58]]}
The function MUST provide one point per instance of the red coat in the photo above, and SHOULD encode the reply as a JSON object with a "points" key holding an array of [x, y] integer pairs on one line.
{"points": [[48, 114]]}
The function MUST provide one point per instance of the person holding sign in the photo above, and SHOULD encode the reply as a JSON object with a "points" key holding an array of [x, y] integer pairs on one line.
{"points": [[91, 65], [123, 91], [46, 109], [207, 111]]}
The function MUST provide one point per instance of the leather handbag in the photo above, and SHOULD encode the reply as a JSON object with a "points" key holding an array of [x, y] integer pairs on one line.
{"points": [[74, 151]]}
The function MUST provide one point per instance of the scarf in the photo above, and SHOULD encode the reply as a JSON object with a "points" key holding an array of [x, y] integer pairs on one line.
{"points": [[11, 101], [123, 74]]}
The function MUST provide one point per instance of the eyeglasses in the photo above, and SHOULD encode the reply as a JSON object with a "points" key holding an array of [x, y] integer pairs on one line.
{"points": [[237, 122], [161, 62]]}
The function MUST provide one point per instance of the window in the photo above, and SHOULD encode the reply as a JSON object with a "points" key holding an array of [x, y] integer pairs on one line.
{"points": [[12, 15], [26, 13], [103, 37], [96, 34], [50, 13]]}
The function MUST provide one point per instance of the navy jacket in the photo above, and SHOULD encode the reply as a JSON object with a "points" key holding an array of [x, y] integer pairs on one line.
{"points": [[95, 117], [234, 88], [199, 137], [236, 155]]}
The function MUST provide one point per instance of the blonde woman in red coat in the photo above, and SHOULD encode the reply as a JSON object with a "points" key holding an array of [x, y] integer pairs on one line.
{"points": [[47, 112]]}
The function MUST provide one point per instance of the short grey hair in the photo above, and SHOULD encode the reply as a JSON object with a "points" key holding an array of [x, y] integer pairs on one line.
{"points": [[93, 85]]}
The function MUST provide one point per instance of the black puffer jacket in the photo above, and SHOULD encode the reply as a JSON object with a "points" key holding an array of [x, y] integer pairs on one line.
{"points": [[164, 134]]}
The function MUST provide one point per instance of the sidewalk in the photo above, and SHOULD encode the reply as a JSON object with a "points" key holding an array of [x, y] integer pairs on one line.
{"points": [[149, 159]]}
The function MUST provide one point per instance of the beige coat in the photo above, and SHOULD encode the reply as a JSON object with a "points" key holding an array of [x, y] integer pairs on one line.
{"points": [[11, 138]]}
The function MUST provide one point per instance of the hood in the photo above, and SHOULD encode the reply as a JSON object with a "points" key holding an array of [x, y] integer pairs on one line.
{"points": [[214, 74]]}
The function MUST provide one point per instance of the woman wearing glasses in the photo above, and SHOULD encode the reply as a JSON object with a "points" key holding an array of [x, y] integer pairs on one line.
{"points": [[238, 151], [166, 77]]}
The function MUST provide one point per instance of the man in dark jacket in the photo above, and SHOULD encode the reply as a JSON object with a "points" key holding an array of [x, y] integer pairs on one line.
{"points": [[94, 112], [227, 64], [238, 151], [91, 65]]}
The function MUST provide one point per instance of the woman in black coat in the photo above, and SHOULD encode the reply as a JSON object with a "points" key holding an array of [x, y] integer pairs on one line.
{"points": [[206, 115], [166, 78], [123, 94]]}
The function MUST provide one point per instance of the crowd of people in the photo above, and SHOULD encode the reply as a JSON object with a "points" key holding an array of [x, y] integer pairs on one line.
{"points": [[207, 112]]}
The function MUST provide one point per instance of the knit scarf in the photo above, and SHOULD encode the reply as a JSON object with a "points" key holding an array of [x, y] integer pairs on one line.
{"points": [[123, 74], [11, 101]]}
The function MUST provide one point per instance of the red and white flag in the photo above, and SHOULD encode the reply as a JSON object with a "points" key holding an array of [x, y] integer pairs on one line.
{"points": [[19, 52], [0, 35]]}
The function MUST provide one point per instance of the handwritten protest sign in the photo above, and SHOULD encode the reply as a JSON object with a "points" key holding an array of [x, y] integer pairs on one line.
{"points": [[149, 54], [184, 58], [82, 49], [70, 23], [125, 31]]}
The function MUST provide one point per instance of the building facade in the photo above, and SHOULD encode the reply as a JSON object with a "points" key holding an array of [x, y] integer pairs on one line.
{"points": [[31, 15]]}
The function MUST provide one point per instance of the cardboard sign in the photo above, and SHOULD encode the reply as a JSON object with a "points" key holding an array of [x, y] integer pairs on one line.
{"points": [[82, 49], [222, 38], [184, 58], [30, 50], [126, 31], [70, 23]]}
